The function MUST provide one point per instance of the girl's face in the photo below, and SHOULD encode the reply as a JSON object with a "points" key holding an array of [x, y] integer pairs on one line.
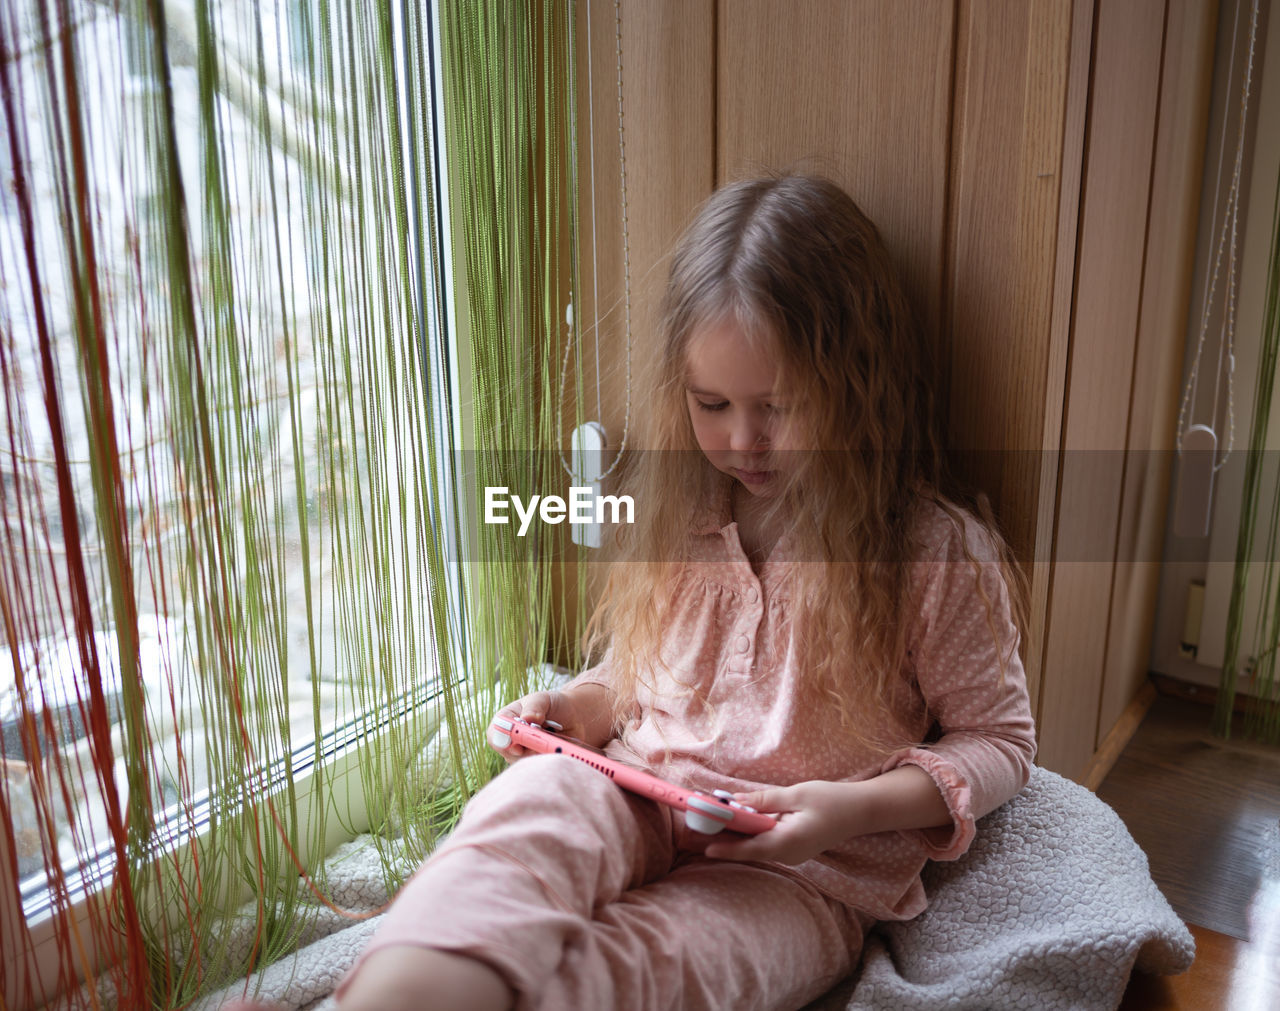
{"points": [[734, 405]]}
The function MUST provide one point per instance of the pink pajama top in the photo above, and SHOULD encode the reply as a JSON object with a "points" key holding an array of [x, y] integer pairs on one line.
{"points": [[734, 638]]}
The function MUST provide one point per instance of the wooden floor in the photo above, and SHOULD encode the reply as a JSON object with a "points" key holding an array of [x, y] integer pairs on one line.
{"points": [[1207, 814]]}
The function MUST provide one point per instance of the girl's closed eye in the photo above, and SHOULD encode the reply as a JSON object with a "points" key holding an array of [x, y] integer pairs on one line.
{"points": [[719, 406]]}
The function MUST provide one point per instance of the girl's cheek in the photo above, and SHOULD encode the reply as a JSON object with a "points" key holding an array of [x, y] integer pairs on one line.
{"points": [[708, 434]]}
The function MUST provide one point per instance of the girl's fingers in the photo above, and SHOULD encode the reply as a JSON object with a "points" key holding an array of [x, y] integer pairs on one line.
{"points": [[739, 849], [532, 708], [501, 742], [767, 801]]}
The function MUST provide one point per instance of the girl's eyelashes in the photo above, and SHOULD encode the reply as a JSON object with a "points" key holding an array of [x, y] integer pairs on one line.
{"points": [[720, 405]]}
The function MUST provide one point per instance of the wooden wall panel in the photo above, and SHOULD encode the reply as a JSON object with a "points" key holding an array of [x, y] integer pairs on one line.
{"points": [[1074, 144], [857, 89], [668, 111], [1186, 83], [1123, 108], [1006, 178]]}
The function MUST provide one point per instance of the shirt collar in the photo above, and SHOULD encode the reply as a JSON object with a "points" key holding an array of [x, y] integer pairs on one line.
{"points": [[716, 511]]}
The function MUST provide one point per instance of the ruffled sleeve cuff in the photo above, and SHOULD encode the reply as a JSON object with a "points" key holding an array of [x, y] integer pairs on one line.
{"points": [[943, 843]]}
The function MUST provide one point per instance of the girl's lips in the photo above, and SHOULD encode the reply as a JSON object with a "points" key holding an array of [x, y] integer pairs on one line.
{"points": [[753, 476]]}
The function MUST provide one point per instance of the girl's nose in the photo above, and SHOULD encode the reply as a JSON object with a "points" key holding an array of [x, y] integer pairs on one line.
{"points": [[748, 435]]}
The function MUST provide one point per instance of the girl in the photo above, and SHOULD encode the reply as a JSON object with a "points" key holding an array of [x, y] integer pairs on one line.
{"points": [[799, 617]]}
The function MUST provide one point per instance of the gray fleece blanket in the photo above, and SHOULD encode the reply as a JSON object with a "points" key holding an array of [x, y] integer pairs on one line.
{"points": [[1052, 907]]}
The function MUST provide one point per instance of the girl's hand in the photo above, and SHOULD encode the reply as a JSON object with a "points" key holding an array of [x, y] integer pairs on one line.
{"points": [[536, 707], [818, 815], [815, 816], [540, 708]]}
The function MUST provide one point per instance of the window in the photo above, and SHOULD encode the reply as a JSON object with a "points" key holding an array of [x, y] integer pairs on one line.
{"points": [[244, 308]]}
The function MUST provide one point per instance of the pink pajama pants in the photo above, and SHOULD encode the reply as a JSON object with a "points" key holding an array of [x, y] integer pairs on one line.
{"points": [[584, 896]]}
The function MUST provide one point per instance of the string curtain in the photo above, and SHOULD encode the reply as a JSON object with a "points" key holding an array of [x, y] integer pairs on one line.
{"points": [[269, 326], [1256, 576]]}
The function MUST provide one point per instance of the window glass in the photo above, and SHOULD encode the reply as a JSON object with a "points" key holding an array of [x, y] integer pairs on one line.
{"points": [[251, 504]]}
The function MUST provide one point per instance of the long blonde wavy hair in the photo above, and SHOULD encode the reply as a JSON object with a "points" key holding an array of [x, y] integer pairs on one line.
{"points": [[798, 267]]}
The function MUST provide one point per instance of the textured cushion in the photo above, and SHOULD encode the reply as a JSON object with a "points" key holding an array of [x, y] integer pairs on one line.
{"points": [[1052, 907]]}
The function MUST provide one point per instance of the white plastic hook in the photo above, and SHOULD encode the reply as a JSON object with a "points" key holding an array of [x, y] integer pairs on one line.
{"points": [[1193, 506]]}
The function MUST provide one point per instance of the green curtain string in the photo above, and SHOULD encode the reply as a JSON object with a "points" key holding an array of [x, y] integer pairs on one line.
{"points": [[1262, 720]]}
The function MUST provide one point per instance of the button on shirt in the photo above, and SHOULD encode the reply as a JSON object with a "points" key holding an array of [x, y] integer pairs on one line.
{"points": [[728, 709]]}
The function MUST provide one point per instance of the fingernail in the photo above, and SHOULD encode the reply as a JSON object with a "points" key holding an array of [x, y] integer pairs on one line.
{"points": [[499, 740]]}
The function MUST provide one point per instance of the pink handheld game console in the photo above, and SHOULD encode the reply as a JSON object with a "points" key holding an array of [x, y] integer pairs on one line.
{"points": [[703, 812]]}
